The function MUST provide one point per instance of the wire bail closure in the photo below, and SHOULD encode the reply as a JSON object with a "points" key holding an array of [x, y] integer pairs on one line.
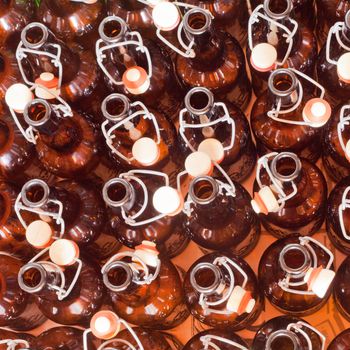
{"points": [[13, 343], [126, 38], [345, 204], [315, 276], [344, 121], [207, 342]]}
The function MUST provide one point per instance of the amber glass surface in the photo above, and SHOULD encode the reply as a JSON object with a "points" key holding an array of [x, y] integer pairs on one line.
{"points": [[341, 341], [14, 16], [271, 272], [239, 161], [18, 309], [305, 211], [218, 55], [332, 219], [281, 323], [81, 304], [61, 338], [333, 155], [302, 57], [229, 15], [6, 334], [12, 233], [72, 20], [341, 290], [71, 150], [274, 136], [167, 232], [231, 321], [158, 305], [196, 344], [226, 223]]}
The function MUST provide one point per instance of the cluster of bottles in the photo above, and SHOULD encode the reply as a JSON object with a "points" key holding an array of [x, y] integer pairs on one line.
{"points": [[122, 123]]}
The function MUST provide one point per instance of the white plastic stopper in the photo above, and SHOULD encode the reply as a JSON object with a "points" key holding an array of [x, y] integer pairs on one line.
{"points": [[213, 148], [18, 96], [319, 280], [265, 201], [148, 253], [105, 324], [240, 301], [165, 15], [64, 252], [39, 234], [145, 151], [343, 67], [136, 80], [198, 163], [317, 111], [263, 57], [167, 200]]}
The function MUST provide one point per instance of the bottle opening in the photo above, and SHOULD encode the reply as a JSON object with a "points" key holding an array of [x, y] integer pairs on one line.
{"points": [[117, 276], [117, 192], [203, 189], [199, 101], [32, 277], [205, 278], [34, 35], [115, 106], [35, 193], [277, 9], [37, 112], [282, 82], [196, 21], [112, 29], [282, 339], [295, 259], [286, 166]]}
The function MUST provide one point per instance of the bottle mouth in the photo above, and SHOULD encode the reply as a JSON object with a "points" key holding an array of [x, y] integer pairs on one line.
{"points": [[276, 9], [35, 193], [37, 112], [115, 107], [286, 166], [205, 278], [203, 189], [282, 82], [196, 21], [117, 276], [282, 339], [117, 192], [199, 100], [112, 29], [32, 278], [295, 259], [34, 35]]}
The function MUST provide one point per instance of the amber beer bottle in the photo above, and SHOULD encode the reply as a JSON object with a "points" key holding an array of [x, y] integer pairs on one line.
{"points": [[107, 327], [334, 61], [336, 145], [139, 281], [139, 137], [68, 289], [221, 291], [286, 117], [220, 217], [290, 194], [215, 337], [72, 20], [218, 128], [341, 341], [140, 208], [288, 333], [296, 274], [11, 340], [276, 40], [18, 309], [137, 67]]}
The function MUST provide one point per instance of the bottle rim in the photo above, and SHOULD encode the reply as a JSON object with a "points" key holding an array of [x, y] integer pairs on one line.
{"points": [[41, 283], [273, 79], [44, 119], [128, 276], [285, 334], [105, 37], [43, 39], [196, 31], [115, 97], [289, 177], [29, 185], [125, 199], [216, 282], [199, 111], [278, 15], [206, 180], [298, 271]]}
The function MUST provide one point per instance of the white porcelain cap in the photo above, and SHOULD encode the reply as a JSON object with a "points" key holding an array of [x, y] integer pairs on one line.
{"points": [[49, 81], [105, 325], [39, 234], [145, 151], [240, 301], [198, 163], [167, 200], [318, 280], [265, 201], [263, 57], [147, 252], [165, 15], [213, 148], [64, 252], [18, 96], [343, 67], [317, 111], [136, 80]]}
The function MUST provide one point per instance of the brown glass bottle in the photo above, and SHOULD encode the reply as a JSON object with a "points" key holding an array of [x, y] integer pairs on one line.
{"points": [[304, 212], [129, 65], [21, 340], [66, 146], [77, 308], [341, 341], [135, 144], [231, 16], [208, 276], [72, 21], [341, 289], [274, 136], [224, 339], [275, 335], [303, 54], [329, 70], [219, 220], [158, 303], [14, 16], [58, 338], [334, 141], [283, 275], [232, 127], [217, 55], [128, 195], [18, 309], [337, 219]]}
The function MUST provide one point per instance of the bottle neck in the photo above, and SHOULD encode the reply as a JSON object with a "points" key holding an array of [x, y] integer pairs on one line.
{"points": [[283, 339]]}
